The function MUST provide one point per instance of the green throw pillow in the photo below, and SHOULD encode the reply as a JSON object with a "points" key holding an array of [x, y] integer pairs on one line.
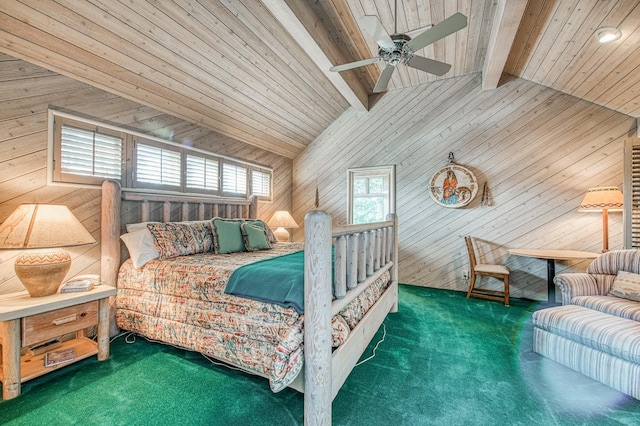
{"points": [[254, 236], [229, 236]]}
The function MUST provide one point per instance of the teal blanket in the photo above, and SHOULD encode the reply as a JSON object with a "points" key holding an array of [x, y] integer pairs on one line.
{"points": [[279, 280]]}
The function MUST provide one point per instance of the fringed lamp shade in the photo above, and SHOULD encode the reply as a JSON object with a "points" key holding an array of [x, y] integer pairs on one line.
{"points": [[602, 199], [42, 226], [280, 220]]}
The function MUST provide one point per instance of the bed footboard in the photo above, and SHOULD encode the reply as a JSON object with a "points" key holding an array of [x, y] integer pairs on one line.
{"points": [[362, 254]]}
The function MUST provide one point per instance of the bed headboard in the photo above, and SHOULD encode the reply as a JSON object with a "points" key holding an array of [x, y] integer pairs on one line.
{"points": [[120, 208]]}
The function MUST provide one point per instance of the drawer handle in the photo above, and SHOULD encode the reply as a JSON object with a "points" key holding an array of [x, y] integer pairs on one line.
{"points": [[70, 318], [65, 320]]}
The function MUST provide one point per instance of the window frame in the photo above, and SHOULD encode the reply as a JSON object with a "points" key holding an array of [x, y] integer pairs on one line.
{"points": [[135, 183], [128, 179], [352, 173], [226, 193], [254, 169], [206, 157], [55, 163]]}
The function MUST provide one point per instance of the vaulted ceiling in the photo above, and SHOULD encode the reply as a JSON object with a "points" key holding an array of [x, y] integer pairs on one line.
{"points": [[258, 71]]}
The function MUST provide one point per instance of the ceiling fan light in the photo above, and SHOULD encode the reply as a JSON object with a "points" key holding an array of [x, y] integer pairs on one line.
{"points": [[607, 34]]}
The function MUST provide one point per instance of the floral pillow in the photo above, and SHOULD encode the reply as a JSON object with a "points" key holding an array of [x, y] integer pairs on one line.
{"points": [[182, 238]]}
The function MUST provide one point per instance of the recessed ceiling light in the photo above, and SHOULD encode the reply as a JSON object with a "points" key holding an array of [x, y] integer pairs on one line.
{"points": [[607, 34]]}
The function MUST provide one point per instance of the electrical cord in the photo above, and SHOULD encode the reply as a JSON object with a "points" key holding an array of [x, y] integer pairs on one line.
{"points": [[373, 353]]}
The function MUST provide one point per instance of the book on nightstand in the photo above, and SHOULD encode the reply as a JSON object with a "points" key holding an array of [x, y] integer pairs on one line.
{"points": [[79, 285], [58, 357]]}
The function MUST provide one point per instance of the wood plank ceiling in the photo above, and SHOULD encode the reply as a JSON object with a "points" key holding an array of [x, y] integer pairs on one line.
{"points": [[233, 66]]}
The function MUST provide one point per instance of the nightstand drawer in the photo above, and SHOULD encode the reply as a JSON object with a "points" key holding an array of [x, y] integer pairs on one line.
{"points": [[48, 325]]}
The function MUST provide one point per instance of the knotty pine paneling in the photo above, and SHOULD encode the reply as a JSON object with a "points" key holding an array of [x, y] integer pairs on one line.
{"points": [[227, 65], [538, 150], [556, 46], [26, 92]]}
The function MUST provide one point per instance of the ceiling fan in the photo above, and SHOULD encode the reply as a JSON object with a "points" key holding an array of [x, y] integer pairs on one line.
{"points": [[398, 49]]}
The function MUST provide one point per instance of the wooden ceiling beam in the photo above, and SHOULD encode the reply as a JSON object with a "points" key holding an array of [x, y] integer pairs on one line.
{"points": [[301, 22], [503, 31]]}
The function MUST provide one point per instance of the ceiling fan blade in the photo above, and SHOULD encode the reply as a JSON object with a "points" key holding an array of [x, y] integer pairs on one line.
{"points": [[383, 80], [373, 26], [428, 65], [356, 64], [450, 25]]}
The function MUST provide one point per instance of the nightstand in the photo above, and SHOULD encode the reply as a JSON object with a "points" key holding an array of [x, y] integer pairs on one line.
{"points": [[27, 321]]}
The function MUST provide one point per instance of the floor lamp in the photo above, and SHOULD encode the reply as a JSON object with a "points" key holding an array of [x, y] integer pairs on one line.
{"points": [[602, 199]]}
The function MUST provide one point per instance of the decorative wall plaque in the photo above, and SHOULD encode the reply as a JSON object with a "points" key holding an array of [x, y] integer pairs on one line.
{"points": [[453, 186]]}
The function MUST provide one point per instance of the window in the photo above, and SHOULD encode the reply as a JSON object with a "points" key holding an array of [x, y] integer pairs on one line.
{"points": [[371, 194], [84, 151], [261, 184], [234, 179], [88, 154], [202, 173], [157, 167]]}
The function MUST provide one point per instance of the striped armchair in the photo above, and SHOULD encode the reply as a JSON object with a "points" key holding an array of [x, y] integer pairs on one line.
{"points": [[593, 332], [599, 276]]}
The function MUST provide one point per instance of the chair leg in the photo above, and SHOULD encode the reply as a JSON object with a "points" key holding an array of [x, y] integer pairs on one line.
{"points": [[472, 283], [506, 290]]}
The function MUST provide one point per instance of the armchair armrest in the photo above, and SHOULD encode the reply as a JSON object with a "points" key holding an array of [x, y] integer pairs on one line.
{"points": [[582, 284]]}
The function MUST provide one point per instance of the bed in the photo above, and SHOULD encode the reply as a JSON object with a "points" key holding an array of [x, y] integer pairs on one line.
{"points": [[350, 285]]}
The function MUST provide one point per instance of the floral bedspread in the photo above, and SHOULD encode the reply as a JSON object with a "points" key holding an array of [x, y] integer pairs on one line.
{"points": [[181, 301]]}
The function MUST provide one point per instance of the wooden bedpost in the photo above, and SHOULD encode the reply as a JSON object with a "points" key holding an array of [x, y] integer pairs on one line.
{"points": [[253, 207], [317, 319], [110, 241], [394, 256]]}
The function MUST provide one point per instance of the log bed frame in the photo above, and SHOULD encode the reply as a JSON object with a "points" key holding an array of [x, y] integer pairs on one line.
{"points": [[362, 254]]}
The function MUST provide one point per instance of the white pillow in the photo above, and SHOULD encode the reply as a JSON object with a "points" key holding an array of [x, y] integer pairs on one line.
{"points": [[626, 285], [140, 246]]}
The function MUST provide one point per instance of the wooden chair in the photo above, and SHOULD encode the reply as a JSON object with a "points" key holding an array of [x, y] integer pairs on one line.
{"points": [[488, 270]]}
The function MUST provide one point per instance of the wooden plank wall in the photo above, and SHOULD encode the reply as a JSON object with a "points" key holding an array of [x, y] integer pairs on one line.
{"points": [[538, 150], [26, 91]]}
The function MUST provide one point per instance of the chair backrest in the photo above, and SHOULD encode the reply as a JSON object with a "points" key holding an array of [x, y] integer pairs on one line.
{"points": [[472, 255], [611, 262]]}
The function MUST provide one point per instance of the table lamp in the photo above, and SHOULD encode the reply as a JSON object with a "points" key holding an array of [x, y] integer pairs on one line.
{"points": [[282, 219], [602, 199], [44, 227]]}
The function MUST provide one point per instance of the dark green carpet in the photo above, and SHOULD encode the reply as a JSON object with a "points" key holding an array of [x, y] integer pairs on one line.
{"points": [[445, 361]]}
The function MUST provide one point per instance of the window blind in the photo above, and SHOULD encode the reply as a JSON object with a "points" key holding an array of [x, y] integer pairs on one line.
{"points": [[90, 153], [157, 165], [234, 178], [260, 183], [202, 173], [86, 152]]}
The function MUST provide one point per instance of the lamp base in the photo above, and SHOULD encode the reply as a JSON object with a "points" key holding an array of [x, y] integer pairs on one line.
{"points": [[282, 235], [42, 272]]}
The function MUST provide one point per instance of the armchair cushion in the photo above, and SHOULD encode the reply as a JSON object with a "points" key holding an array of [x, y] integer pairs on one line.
{"points": [[626, 285], [612, 305]]}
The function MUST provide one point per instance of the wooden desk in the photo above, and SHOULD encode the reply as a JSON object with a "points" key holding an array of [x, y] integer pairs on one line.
{"points": [[551, 256]]}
